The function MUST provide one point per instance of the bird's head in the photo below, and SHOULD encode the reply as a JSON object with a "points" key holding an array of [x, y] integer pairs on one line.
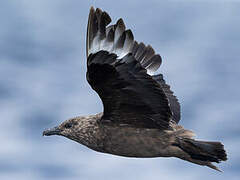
{"points": [[79, 129], [67, 128]]}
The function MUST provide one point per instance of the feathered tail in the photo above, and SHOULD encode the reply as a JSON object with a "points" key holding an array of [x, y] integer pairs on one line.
{"points": [[202, 152]]}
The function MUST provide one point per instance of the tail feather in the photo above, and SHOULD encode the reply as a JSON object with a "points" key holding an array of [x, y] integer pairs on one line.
{"points": [[203, 152], [208, 151]]}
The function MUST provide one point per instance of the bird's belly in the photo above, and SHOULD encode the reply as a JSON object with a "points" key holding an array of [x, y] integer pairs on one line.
{"points": [[131, 142]]}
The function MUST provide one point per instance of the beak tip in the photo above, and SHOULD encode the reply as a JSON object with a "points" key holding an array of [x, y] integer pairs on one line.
{"points": [[44, 133], [51, 131]]}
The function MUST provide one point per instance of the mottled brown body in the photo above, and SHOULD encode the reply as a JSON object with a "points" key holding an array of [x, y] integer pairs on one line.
{"points": [[122, 139], [126, 140]]}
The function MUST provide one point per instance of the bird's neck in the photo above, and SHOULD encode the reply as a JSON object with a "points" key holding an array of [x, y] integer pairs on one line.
{"points": [[90, 133]]}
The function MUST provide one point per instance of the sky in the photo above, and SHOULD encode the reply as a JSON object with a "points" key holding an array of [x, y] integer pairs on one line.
{"points": [[42, 83]]}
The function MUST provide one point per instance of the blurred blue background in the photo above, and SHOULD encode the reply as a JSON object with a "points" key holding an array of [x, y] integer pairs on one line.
{"points": [[42, 83]]}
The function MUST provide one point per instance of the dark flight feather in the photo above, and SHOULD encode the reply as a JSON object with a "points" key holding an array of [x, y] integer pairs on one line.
{"points": [[174, 104], [115, 39]]}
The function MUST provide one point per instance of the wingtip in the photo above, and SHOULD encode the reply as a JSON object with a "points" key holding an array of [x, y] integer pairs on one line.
{"points": [[130, 34], [91, 11], [107, 18], [98, 11], [120, 23], [90, 16]]}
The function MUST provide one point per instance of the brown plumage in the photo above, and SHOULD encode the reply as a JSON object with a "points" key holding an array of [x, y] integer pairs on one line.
{"points": [[140, 111]]}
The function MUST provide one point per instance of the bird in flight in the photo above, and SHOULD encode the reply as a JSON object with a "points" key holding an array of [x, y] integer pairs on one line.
{"points": [[141, 113]]}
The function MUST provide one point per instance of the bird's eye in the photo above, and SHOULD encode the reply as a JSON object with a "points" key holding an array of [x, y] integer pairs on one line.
{"points": [[68, 125]]}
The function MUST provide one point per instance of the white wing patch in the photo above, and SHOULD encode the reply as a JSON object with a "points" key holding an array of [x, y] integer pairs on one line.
{"points": [[116, 39]]}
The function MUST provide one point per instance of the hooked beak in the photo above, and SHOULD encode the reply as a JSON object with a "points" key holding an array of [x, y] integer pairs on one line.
{"points": [[52, 131]]}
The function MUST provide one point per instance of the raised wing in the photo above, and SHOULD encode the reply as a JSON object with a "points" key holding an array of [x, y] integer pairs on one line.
{"points": [[117, 71]]}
